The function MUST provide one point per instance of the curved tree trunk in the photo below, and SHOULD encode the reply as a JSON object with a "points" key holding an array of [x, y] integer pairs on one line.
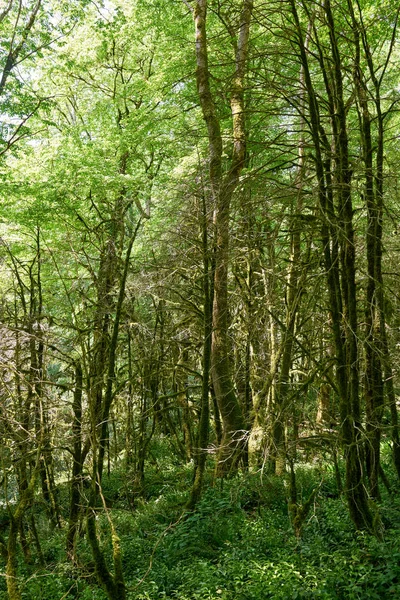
{"points": [[339, 252], [222, 189]]}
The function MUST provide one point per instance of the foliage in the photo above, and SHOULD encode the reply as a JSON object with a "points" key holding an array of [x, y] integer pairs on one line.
{"points": [[238, 544], [198, 278]]}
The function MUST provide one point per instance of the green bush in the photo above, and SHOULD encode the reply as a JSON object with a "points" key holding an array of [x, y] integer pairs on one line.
{"points": [[238, 545]]}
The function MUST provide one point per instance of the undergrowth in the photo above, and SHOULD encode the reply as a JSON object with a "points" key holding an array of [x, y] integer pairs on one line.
{"points": [[239, 544]]}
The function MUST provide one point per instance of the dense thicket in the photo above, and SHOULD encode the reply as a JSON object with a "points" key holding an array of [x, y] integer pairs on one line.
{"points": [[199, 209]]}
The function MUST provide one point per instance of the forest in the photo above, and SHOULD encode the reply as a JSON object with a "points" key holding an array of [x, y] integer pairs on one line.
{"points": [[199, 299]]}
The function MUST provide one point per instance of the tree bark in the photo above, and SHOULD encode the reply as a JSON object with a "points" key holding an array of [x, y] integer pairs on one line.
{"points": [[203, 433], [77, 465], [222, 189], [339, 254]]}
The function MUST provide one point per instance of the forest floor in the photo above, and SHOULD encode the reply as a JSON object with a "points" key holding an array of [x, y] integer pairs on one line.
{"points": [[238, 545]]}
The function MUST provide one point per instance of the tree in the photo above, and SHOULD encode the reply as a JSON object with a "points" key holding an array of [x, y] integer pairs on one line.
{"points": [[195, 254], [27, 31], [222, 187]]}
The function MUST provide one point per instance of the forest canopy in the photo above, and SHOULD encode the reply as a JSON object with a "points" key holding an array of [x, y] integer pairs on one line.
{"points": [[199, 304]]}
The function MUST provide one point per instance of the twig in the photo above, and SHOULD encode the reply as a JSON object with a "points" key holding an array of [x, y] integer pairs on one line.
{"points": [[170, 526]]}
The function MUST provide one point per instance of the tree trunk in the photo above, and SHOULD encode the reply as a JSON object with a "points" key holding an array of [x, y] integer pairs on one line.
{"points": [[203, 433], [222, 189], [77, 465], [342, 292], [13, 589]]}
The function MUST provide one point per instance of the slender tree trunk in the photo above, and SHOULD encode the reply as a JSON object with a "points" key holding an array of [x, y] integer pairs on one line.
{"points": [[130, 424], [222, 189], [373, 351], [181, 384], [108, 397], [113, 584], [216, 415], [293, 297], [13, 589], [77, 465], [203, 433], [342, 294]]}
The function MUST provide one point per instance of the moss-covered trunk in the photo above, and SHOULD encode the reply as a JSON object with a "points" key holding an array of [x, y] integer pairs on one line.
{"points": [[77, 465], [203, 433], [337, 232], [222, 188]]}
